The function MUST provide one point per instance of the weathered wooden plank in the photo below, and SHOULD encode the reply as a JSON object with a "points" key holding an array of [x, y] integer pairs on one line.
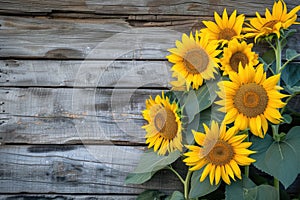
{"points": [[66, 73], [74, 73], [85, 39], [92, 169], [94, 38], [66, 197], [67, 115], [181, 7]]}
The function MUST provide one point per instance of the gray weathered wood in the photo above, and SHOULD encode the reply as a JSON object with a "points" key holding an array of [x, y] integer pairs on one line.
{"points": [[67, 115], [92, 38], [179, 7], [66, 197], [68, 73], [93, 169], [92, 74]]}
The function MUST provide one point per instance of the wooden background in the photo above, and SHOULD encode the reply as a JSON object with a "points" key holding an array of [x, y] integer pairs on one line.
{"points": [[70, 116]]}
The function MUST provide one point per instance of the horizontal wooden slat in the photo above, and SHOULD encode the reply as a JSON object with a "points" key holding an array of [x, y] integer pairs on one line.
{"points": [[85, 73], [180, 7], [66, 197], [91, 74], [62, 115], [92, 169], [93, 38]]}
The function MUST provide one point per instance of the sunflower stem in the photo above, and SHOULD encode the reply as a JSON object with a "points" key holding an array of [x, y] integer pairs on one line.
{"points": [[187, 184], [276, 185], [278, 56], [277, 71], [176, 173]]}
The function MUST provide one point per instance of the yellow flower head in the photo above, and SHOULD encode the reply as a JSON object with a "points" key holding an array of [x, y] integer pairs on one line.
{"points": [[250, 99], [194, 60], [220, 151], [237, 53], [164, 125], [272, 22], [224, 29]]}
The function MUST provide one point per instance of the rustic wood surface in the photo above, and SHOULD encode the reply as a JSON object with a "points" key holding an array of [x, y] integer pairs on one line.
{"points": [[74, 76]]}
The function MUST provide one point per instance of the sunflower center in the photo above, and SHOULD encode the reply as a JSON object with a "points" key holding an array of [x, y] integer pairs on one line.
{"points": [[227, 34], [251, 99], [166, 124], [236, 59], [196, 61], [222, 153], [271, 24]]}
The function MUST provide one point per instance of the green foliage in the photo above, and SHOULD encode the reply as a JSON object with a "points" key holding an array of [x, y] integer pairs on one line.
{"points": [[138, 178], [150, 163], [268, 57], [195, 101], [291, 54], [150, 195], [287, 118], [279, 159], [245, 189], [199, 189], [176, 196], [291, 74], [196, 124]]}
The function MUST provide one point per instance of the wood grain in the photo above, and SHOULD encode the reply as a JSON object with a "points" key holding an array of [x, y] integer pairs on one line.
{"points": [[93, 169], [66, 197], [61, 38], [87, 73], [67, 115], [179, 7]]}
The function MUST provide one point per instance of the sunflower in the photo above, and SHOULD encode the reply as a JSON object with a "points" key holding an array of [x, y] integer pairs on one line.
{"points": [[272, 23], [250, 99], [164, 125], [236, 53], [220, 151], [194, 59], [224, 29]]}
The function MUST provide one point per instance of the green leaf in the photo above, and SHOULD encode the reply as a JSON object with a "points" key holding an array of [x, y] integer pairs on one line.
{"points": [[288, 33], [291, 74], [287, 118], [138, 178], [191, 106], [281, 162], [279, 159], [150, 195], [290, 54], [196, 125], [188, 127], [247, 190], [269, 57], [293, 139], [199, 189], [207, 94], [150, 162], [261, 192], [260, 146], [176, 196], [238, 189], [292, 90]]}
